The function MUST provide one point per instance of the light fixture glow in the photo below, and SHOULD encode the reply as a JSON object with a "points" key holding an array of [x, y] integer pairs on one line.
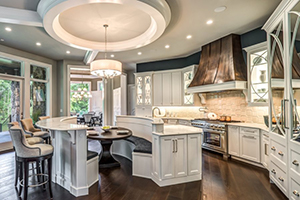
{"points": [[112, 55], [209, 22], [82, 92], [188, 37], [167, 46], [106, 68], [220, 9], [68, 52], [139, 53], [8, 29], [38, 44]]}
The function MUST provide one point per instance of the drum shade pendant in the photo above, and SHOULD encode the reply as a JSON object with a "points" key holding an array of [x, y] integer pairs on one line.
{"points": [[106, 68]]}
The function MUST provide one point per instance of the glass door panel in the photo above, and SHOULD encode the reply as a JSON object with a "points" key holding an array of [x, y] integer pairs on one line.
{"points": [[276, 78], [10, 109]]}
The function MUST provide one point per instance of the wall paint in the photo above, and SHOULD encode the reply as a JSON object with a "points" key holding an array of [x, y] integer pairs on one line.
{"points": [[247, 39]]}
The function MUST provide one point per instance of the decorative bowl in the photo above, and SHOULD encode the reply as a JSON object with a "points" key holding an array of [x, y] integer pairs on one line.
{"points": [[106, 128]]}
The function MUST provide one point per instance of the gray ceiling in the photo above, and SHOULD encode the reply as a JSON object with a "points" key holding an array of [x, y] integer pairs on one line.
{"points": [[188, 17]]}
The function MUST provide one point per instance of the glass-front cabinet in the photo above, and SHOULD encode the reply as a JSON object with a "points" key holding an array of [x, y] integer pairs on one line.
{"points": [[257, 74], [188, 75], [143, 83]]}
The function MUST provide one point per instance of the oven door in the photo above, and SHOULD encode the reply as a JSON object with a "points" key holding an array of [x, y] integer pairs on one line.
{"points": [[214, 140]]}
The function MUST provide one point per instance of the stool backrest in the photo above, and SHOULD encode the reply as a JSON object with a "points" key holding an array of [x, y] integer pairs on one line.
{"points": [[22, 148], [11, 124], [87, 117], [27, 124], [44, 117]]}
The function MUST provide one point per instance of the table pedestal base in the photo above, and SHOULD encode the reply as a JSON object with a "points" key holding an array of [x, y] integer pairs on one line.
{"points": [[107, 161]]}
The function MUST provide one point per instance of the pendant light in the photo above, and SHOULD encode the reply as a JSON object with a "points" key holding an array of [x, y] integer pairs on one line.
{"points": [[106, 68], [81, 93]]}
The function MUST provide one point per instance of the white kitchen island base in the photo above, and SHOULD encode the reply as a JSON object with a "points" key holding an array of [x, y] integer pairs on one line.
{"points": [[70, 167]]}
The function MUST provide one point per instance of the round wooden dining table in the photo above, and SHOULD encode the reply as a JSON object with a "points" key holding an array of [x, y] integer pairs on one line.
{"points": [[106, 139]]}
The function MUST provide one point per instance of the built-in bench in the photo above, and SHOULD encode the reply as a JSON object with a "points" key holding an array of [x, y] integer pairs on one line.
{"points": [[92, 167], [139, 151]]}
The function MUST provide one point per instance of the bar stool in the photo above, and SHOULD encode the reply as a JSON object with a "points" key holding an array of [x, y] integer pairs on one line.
{"points": [[27, 125], [44, 117], [31, 140], [26, 153]]}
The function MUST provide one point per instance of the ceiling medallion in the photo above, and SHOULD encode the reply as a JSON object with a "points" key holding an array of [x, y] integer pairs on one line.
{"points": [[106, 68], [128, 30]]}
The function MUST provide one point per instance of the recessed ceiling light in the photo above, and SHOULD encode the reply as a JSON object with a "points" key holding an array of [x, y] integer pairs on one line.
{"points": [[167, 46], [188, 37], [139, 53], [220, 9], [38, 44], [209, 22], [112, 55], [2, 40], [68, 52], [8, 29]]}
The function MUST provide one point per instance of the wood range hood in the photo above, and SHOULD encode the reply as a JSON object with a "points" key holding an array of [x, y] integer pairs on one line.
{"points": [[222, 67]]}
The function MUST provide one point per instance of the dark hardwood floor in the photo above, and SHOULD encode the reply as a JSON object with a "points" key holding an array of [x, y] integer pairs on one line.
{"points": [[222, 180]]}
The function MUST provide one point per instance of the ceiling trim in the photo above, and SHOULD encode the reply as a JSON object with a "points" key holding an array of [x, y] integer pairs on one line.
{"points": [[19, 16], [90, 56]]}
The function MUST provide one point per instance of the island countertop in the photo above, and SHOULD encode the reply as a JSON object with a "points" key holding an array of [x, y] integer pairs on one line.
{"points": [[61, 124], [178, 130]]}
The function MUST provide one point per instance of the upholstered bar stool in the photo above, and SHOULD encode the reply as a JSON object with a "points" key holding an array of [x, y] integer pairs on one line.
{"points": [[28, 128], [26, 153], [44, 117], [31, 140]]}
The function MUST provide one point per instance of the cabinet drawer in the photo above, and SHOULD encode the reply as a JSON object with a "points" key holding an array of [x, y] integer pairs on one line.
{"points": [[278, 151], [252, 131], [295, 190], [295, 162], [279, 177]]}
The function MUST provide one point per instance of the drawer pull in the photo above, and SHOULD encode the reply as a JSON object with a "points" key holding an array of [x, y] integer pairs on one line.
{"points": [[296, 193], [281, 179], [295, 162], [280, 153], [273, 148], [273, 171], [250, 137]]}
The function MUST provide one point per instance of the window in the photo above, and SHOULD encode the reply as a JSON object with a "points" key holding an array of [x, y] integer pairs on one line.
{"points": [[79, 105], [10, 67], [38, 92]]}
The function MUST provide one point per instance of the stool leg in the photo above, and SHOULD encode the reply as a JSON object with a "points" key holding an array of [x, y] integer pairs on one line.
{"points": [[16, 172], [26, 170], [43, 172], [38, 170], [21, 177], [49, 176]]}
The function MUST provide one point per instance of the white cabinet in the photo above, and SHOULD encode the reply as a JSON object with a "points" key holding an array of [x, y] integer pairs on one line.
{"points": [[143, 84], [157, 89], [176, 99], [176, 159], [265, 150], [167, 85], [234, 140], [250, 147]]}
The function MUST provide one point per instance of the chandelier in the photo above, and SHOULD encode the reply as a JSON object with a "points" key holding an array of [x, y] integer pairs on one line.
{"points": [[82, 92], [106, 68]]}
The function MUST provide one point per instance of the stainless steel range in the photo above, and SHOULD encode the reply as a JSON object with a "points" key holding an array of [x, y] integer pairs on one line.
{"points": [[215, 135]]}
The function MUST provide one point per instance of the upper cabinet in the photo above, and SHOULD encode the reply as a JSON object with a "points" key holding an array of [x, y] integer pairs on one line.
{"points": [[257, 67], [188, 75], [143, 83]]}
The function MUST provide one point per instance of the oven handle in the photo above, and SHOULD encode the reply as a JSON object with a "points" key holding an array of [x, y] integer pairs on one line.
{"points": [[212, 131]]}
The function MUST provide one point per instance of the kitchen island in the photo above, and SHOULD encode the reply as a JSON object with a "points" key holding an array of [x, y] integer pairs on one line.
{"points": [[176, 150], [70, 167]]}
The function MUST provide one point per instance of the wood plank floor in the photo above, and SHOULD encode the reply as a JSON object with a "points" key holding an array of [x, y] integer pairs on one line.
{"points": [[222, 180]]}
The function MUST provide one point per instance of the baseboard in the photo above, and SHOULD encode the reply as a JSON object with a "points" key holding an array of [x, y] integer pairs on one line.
{"points": [[79, 191], [248, 162], [174, 181]]}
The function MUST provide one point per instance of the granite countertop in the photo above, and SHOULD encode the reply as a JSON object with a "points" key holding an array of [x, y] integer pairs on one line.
{"points": [[178, 130], [251, 125], [61, 124]]}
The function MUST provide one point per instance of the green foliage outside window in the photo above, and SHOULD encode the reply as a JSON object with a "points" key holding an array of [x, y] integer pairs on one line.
{"points": [[5, 101], [79, 105]]}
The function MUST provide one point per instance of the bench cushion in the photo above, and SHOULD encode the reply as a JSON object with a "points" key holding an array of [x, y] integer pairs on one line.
{"points": [[91, 154], [141, 145]]}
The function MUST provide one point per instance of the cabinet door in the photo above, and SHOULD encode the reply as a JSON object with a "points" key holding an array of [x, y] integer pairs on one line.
{"points": [[194, 154], [157, 90], [234, 140], [176, 89], [265, 152], [155, 156], [249, 147], [180, 156], [167, 157], [167, 94]]}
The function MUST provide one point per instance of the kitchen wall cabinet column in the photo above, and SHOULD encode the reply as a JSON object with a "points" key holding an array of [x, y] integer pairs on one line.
{"points": [[167, 85], [143, 83], [157, 89], [176, 89]]}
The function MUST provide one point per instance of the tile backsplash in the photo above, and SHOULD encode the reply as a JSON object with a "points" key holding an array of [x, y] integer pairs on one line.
{"points": [[230, 103]]}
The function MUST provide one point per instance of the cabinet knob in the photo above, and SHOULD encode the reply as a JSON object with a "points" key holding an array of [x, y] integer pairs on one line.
{"points": [[273, 148], [281, 179], [273, 171], [280, 153], [296, 193], [295, 162]]}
